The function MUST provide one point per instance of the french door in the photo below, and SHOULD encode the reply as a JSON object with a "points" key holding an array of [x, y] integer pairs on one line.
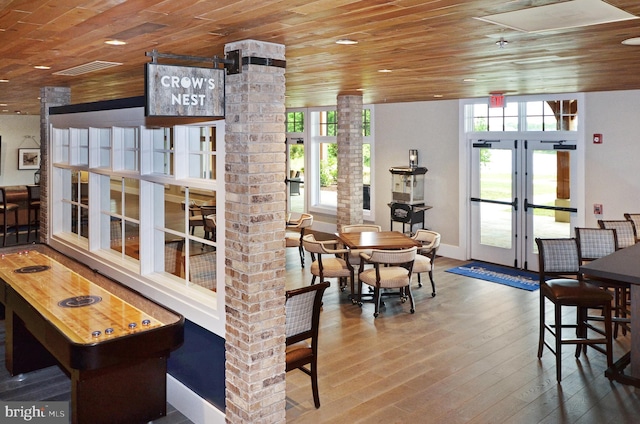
{"points": [[520, 190]]}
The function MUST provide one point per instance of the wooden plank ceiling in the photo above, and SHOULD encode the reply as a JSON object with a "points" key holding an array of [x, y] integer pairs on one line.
{"points": [[431, 47]]}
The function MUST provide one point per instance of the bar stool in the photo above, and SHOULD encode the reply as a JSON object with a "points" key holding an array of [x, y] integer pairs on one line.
{"points": [[561, 258], [33, 194], [5, 208]]}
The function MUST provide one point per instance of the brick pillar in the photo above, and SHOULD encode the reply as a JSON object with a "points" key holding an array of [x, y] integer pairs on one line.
{"points": [[350, 195], [49, 96], [255, 166]]}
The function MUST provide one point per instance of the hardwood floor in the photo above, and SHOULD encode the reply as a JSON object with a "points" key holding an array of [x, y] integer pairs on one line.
{"points": [[467, 355]]}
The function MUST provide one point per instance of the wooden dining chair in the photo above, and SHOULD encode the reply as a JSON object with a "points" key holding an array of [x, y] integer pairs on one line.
{"points": [[302, 321], [635, 218], [173, 261], [561, 258], [426, 257], [209, 222], [194, 216], [595, 243], [295, 233], [33, 210], [391, 270], [6, 209], [625, 231], [202, 270], [329, 262]]}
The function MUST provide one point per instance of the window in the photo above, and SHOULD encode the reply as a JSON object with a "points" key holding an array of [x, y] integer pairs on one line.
{"points": [[323, 158], [135, 198], [541, 115]]}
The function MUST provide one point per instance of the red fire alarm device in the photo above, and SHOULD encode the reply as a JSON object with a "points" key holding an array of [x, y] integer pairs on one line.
{"points": [[597, 139]]}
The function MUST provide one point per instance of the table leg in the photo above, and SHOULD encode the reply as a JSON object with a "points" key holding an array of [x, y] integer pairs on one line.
{"points": [[635, 330]]}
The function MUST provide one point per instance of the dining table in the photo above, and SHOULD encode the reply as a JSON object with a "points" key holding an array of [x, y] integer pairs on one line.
{"points": [[623, 266], [378, 240]]}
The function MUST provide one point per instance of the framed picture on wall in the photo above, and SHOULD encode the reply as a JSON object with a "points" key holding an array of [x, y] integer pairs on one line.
{"points": [[28, 158]]}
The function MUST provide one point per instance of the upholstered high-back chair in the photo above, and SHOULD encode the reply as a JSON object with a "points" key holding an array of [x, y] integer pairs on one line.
{"points": [[295, 233], [635, 218], [426, 257], [391, 269], [625, 231], [561, 258], [6, 209], [329, 262], [302, 320]]}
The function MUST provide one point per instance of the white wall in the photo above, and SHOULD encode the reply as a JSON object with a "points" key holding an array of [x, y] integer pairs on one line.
{"points": [[612, 168], [13, 129], [432, 128]]}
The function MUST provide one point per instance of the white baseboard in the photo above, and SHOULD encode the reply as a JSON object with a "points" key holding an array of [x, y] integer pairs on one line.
{"points": [[191, 405]]}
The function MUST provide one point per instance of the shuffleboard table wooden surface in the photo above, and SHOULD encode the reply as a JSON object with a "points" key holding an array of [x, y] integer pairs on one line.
{"points": [[113, 342]]}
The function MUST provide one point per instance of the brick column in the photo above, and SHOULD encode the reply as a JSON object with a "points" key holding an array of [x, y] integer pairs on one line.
{"points": [[350, 196], [49, 96], [255, 166]]}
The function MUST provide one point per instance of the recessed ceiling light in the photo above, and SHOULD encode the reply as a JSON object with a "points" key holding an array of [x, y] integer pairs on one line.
{"points": [[632, 41], [438, 96], [115, 42], [346, 41], [42, 67], [469, 80], [385, 71], [3, 105], [4, 80]]}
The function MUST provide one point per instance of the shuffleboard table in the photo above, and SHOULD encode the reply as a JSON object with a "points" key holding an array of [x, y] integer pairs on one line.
{"points": [[113, 342]]}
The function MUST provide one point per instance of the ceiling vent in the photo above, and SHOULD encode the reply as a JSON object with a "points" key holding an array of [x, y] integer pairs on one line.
{"points": [[96, 65], [569, 14]]}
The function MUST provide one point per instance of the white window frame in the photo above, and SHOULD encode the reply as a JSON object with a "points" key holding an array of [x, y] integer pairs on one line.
{"points": [[204, 308], [312, 158]]}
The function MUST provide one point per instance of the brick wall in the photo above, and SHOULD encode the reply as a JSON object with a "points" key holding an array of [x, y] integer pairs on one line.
{"points": [[349, 160], [255, 167]]}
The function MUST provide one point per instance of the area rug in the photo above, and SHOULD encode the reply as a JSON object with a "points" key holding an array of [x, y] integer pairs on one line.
{"points": [[525, 280]]}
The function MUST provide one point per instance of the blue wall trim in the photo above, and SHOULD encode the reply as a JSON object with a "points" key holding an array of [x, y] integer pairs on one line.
{"points": [[199, 364]]}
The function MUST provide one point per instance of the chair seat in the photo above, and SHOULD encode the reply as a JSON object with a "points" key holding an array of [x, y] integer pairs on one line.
{"points": [[574, 293], [292, 240], [390, 277], [9, 207], [297, 352], [421, 264], [331, 268]]}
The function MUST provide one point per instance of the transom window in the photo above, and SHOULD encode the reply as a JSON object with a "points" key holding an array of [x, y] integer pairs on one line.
{"points": [[540, 115]]}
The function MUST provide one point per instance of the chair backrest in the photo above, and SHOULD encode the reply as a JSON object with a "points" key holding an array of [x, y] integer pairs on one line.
{"points": [[558, 256], [173, 256], [635, 218], [625, 231], [595, 243], [3, 196], [393, 257], [33, 192], [208, 217], [311, 245], [305, 221], [361, 228], [430, 240], [302, 313], [115, 233], [202, 270]]}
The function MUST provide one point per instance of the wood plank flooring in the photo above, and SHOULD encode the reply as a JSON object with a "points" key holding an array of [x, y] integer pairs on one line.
{"points": [[467, 355]]}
